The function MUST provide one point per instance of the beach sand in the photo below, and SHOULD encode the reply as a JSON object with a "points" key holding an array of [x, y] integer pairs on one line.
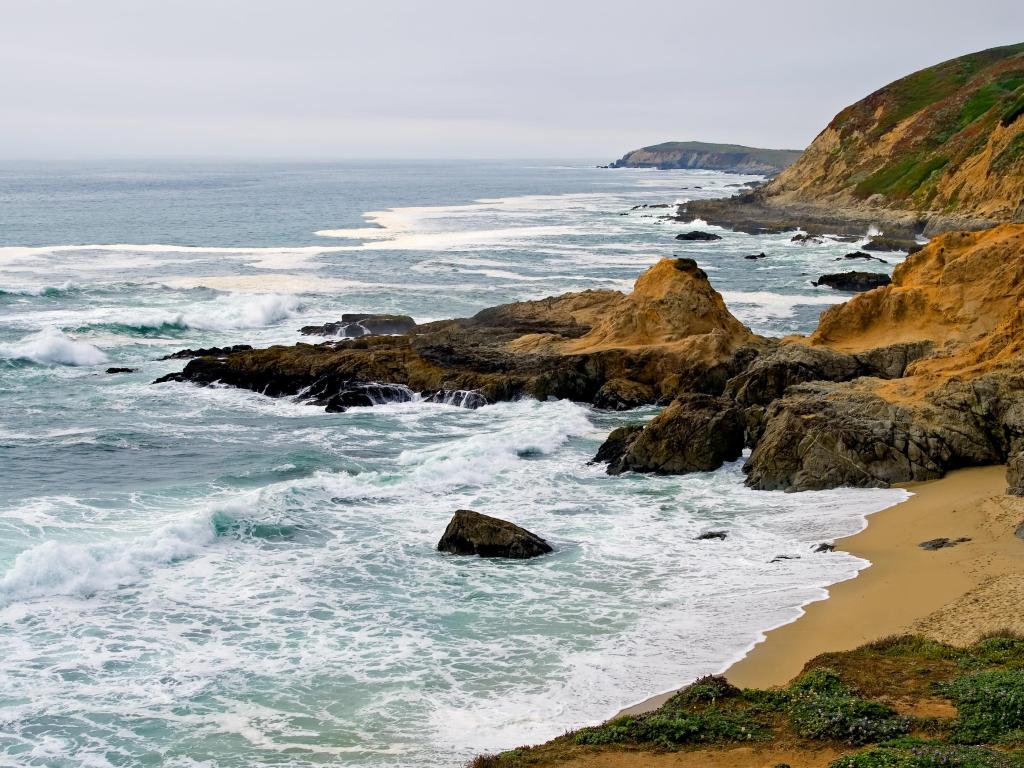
{"points": [[952, 594]]}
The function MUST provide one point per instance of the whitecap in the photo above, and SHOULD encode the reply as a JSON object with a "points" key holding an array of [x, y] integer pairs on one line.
{"points": [[52, 346]]}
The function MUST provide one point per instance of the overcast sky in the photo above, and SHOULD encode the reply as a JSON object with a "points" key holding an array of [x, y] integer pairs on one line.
{"points": [[333, 79]]}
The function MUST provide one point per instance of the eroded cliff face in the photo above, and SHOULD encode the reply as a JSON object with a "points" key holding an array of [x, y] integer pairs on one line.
{"points": [[960, 403], [945, 142]]}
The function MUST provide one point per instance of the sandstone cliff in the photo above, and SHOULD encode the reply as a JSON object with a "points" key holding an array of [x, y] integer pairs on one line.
{"points": [[733, 158], [940, 149]]}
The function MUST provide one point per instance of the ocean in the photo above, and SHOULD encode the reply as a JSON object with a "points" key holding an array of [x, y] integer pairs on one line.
{"points": [[211, 577]]}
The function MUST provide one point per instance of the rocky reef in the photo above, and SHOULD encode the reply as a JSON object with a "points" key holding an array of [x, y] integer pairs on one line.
{"points": [[733, 158], [672, 334], [903, 382]]}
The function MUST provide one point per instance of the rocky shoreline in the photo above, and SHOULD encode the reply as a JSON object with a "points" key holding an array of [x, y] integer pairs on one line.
{"points": [[901, 383]]}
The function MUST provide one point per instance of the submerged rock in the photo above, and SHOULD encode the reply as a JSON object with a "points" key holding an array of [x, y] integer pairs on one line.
{"points": [[804, 239], [696, 433], [356, 325], [698, 235], [861, 255], [709, 535], [120, 370], [854, 281], [756, 256], [185, 354], [882, 243], [471, 533]]}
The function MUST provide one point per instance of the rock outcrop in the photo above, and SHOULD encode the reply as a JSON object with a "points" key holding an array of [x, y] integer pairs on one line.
{"points": [[854, 282], [696, 433], [672, 334], [356, 325], [962, 404], [940, 149], [698, 235], [733, 158], [470, 533], [1015, 475]]}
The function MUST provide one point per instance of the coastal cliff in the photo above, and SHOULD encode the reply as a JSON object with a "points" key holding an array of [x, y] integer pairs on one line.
{"points": [[733, 158], [940, 149]]}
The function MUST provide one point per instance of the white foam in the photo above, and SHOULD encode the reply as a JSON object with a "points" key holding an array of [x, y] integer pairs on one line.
{"points": [[52, 346], [54, 568], [765, 304]]}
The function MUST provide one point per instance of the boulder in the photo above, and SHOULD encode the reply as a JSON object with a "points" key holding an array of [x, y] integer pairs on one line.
{"points": [[804, 238], [623, 395], [696, 433], [756, 256], [1015, 475], [709, 535], [771, 374], [882, 243], [854, 281], [471, 533], [615, 445], [356, 325], [698, 235], [120, 370]]}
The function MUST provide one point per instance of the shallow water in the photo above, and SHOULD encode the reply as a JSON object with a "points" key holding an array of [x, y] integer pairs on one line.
{"points": [[210, 577]]}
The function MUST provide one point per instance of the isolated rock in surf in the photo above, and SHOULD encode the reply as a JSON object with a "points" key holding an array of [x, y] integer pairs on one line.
{"points": [[471, 533]]}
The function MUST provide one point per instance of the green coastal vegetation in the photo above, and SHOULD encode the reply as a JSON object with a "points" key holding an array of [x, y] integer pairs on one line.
{"points": [[900, 702]]}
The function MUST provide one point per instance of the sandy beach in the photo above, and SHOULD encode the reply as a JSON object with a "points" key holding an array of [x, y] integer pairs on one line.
{"points": [[953, 594]]}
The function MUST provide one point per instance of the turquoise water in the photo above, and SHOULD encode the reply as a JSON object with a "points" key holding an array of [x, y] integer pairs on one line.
{"points": [[210, 577]]}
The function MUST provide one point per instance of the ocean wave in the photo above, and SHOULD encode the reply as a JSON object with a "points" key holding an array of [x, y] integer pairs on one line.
{"points": [[56, 568], [52, 346], [47, 291], [224, 313]]}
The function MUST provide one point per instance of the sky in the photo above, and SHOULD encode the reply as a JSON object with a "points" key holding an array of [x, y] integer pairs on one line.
{"points": [[340, 79]]}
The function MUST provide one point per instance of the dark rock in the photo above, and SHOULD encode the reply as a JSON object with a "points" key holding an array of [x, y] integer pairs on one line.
{"points": [[707, 535], [698, 235], [615, 445], [696, 433], [854, 281], [771, 374], [120, 370], [822, 435], [185, 354], [470, 533], [463, 398], [780, 558], [623, 395], [356, 325], [825, 547], [942, 543], [883, 243], [804, 239], [755, 256], [891, 362], [363, 394], [1015, 475], [861, 255], [1019, 531]]}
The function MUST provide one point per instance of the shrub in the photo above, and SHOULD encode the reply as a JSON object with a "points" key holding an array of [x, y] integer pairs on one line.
{"points": [[990, 705], [671, 729], [925, 754], [846, 718], [1005, 648]]}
